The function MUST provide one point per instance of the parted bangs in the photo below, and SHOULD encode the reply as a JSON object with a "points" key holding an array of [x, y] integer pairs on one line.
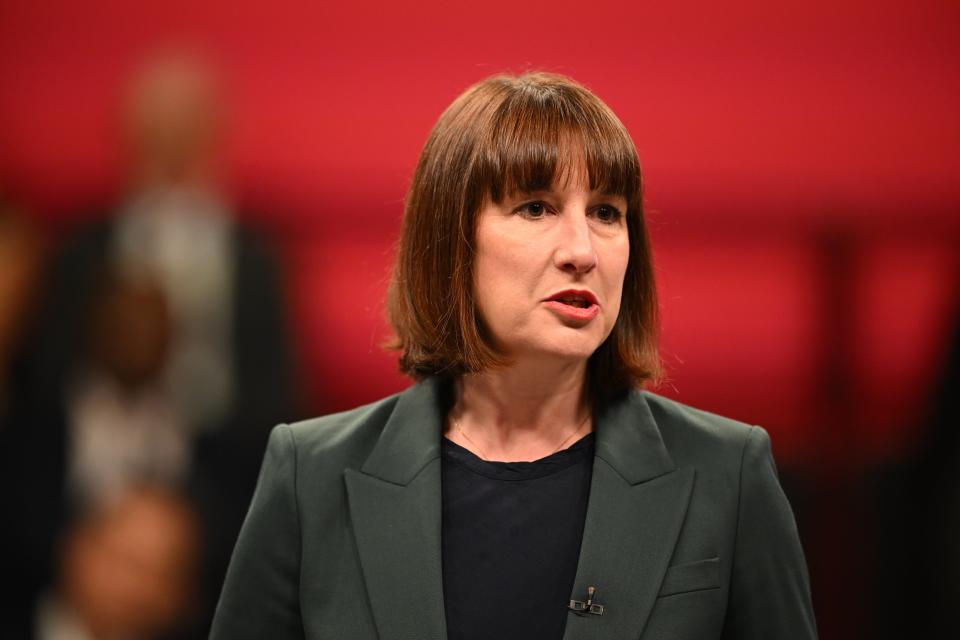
{"points": [[547, 134]]}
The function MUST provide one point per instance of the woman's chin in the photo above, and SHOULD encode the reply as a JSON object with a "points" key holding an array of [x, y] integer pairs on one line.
{"points": [[563, 350]]}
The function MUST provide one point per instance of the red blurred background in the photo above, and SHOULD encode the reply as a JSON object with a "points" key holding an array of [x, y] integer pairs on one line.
{"points": [[802, 186]]}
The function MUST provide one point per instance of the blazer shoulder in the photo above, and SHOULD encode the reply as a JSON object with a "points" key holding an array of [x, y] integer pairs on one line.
{"points": [[692, 434], [344, 439]]}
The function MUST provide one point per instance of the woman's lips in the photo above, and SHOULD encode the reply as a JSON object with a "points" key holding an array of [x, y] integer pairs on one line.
{"points": [[578, 315]]}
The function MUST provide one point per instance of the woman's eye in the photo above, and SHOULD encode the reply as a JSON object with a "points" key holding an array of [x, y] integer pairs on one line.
{"points": [[608, 213], [533, 209]]}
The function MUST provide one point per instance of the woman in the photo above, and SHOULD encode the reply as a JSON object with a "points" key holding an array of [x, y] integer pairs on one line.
{"points": [[525, 487]]}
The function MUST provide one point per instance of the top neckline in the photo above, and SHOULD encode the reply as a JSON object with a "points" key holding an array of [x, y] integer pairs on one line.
{"points": [[528, 470]]}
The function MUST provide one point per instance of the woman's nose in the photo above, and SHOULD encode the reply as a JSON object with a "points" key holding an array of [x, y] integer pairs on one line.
{"points": [[575, 251]]}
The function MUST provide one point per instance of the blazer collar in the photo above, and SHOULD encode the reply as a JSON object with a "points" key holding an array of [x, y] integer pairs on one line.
{"points": [[637, 504], [629, 441], [411, 437], [627, 437]]}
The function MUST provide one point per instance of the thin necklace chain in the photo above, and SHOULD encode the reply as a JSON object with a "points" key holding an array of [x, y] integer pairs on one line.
{"points": [[456, 424]]}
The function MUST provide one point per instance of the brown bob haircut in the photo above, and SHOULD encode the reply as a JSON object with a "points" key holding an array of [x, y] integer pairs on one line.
{"points": [[502, 136]]}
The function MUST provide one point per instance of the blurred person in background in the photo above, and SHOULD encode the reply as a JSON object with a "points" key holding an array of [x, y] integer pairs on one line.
{"points": [[919, 508], [127, 570], [941, 464], [161, 349], [124, 423], [20, 259]]}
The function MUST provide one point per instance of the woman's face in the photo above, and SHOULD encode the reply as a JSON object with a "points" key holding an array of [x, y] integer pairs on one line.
{"points": [[549, 270]]}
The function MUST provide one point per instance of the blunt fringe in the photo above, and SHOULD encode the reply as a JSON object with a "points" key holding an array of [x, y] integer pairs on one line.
{"points": [[506, 135]]}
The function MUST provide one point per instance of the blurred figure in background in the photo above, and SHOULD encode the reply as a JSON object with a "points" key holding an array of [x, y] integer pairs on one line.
{"points": [[127, 570], [918, 501], [20, 260], [942, 465], [161, 350], [123, 419], [19, 263]]}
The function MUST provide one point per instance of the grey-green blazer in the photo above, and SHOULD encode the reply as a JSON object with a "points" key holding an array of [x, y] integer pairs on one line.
{"points": [[687, 534]]}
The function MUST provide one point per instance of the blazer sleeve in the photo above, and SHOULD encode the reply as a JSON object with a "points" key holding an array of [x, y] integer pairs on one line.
{"points": [[260, 597], [769, 585]]}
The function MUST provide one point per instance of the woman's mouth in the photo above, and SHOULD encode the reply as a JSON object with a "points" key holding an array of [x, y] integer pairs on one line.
{"points": [[577, 307], [575, 302]]}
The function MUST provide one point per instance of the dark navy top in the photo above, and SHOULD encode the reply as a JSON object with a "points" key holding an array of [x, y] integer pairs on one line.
{"points": [[511, 541]]}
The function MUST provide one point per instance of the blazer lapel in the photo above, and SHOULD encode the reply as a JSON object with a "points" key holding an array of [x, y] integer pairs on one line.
{"points": [[395, 505], [638, 501]]}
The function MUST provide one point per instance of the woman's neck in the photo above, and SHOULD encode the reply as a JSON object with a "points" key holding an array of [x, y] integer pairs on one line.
{"points": [[524, 412]]}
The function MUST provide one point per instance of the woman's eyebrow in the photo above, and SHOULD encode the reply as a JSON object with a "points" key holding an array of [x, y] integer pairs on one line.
{"points": [[522, 194], [609, 194], [534, 192]]}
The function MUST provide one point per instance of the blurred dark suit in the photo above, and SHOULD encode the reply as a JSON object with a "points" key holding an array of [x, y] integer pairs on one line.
{"points": [[226, 456]]}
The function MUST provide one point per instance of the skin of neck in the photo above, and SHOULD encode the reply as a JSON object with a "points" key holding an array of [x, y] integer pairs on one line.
{"points": [[522, 412]]}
